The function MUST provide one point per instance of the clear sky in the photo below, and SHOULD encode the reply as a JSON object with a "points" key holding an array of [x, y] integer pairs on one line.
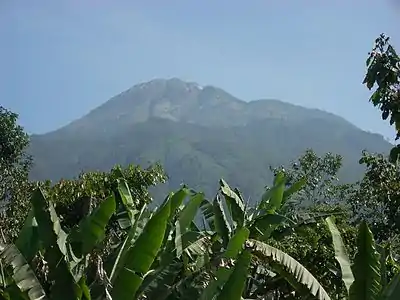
{"points": [[61, 58]]}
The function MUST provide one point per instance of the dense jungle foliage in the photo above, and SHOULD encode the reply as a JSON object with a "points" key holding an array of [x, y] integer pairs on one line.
{"points": [[308, 237]]}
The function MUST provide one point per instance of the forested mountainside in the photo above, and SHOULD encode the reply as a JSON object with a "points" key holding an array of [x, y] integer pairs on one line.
{"points": [[198, 134]]}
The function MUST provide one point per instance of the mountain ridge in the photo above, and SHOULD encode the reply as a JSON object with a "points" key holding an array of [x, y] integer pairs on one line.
{"points": [[257, 105], [199, 133]]}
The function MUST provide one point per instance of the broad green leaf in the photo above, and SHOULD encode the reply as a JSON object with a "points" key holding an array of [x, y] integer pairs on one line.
{"points": [[341, 254], [221, 223], [126, 198], [193, 226], [177, 199], [187, 215], [223, 273], [141, 255], [272, 198], [290, 265], [91, 229], [48, 223], [234, 202], [12, 292], [207, 209], [222, 276], [28, 238], [264, 225], [366, 268], [84, 289], [24, 277], [196, 243], [301, 290], [234, 287], [236, 243], [392, 290], [119, 259], [157, 285], [178, 239], [277, 197], [265, 198], [185, 218], [53, 239], [294, 188]]}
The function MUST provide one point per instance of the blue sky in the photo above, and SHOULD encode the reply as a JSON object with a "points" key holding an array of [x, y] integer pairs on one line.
{"points": [[60, 59]]}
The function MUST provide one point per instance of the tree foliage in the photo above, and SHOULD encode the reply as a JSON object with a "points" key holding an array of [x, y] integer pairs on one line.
{"points": [[383, 71], [15, 164], [377, 196], [322, 195], [320, 173]]}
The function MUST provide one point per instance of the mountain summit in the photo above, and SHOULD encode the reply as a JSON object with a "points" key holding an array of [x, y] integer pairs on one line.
{"points": [[199, 134], [180, 101]]}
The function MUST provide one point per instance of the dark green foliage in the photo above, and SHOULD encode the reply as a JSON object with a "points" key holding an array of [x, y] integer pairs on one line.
{"points": [[322, 195], [321, 175], [376, 198], [166, 255], [140, 257], [50, 233], [14, 164], [75, 198], [235, 285], [367, 278], [25, 281], [383, 70], [366, 268], [310, 245]]}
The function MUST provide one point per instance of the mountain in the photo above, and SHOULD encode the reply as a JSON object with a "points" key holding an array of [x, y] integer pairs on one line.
{"points": [[199, 134]]}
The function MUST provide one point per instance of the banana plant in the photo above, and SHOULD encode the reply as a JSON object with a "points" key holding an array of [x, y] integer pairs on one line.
{"points": [[239, 245], [64, 254], [365, 279], [18, 280], [168, 241], [188, 261], [165, 253]]}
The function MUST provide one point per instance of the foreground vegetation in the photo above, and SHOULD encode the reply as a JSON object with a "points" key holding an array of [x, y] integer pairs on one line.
{"points": [[308, 237]]}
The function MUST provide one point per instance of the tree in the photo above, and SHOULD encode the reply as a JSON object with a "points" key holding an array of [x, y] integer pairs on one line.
{"points": [[15, 163], [74, 199], [383, 70], [321, 179], [321, 195], [376, 198]]}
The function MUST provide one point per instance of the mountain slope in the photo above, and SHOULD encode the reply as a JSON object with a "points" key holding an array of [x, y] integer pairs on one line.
{"points": [[199, 134]]}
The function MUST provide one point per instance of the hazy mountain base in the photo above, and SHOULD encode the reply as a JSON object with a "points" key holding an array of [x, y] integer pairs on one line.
{"points": [[199, 135]]}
